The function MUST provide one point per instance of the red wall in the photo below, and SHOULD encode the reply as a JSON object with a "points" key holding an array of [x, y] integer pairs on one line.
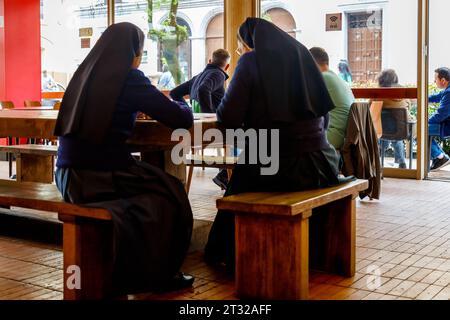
{"points": [[20, 50], [2, 56]]}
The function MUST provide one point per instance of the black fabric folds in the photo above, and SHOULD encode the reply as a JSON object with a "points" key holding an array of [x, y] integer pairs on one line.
{"points": [[90, 99], [293, 85]]}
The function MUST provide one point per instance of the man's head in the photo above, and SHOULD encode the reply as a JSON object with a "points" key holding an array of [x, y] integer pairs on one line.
{"points": [[221, 58], [321, 57], [442, 77], [388, 78], [44, 73]]}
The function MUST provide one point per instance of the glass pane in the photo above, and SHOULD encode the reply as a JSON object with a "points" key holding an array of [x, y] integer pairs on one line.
{"points": [[363, 39], [178, 48], [370, 37], [438, 58], [69, 29]]}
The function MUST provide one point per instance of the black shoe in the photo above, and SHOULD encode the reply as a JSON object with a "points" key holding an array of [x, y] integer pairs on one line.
{"points": [[440, 163], [402, 166], [222, 179], [179, 282]]}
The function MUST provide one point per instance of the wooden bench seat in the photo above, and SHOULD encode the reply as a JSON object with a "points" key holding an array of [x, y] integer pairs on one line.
{"points": [[87, 236], [279, 236], [202, 161], [212, 161], [34, 163]]}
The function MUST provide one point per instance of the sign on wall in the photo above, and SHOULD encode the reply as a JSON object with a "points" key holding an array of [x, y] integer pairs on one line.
{"points": [[85, 43], [86, 32], [2, 21], [334, 22]]}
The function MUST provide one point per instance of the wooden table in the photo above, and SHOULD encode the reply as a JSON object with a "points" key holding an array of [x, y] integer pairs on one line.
{"points": [[150, 137], [41, 108]]}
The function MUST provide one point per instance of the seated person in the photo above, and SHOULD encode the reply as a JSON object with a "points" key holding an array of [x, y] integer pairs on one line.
{"points": [[166, 82], [344, 71], [442, 80], [342, 97], [276, 86], [206, 91], [387, 79], [95, 165]]}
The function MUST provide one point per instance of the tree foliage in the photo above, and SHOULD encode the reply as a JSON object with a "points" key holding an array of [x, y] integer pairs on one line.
{"points": [[170, 36]]}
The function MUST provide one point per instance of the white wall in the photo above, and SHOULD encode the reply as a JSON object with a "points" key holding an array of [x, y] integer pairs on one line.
{"points": [[63, 53]]}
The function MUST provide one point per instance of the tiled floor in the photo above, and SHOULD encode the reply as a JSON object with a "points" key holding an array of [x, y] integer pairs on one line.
{"points": [[403, 251]]}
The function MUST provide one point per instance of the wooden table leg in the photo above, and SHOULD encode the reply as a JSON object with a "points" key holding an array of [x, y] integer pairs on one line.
{"points": [[272, 257], [87, 247], [333, 237]]}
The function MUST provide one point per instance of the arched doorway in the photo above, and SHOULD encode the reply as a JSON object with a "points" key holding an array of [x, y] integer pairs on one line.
{"points": [[282, 19], [214, 35]]}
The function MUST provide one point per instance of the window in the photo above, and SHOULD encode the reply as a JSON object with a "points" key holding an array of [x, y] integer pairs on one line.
{"points": [[69, 29], [172, 44], [214, 35], [281, 18]]}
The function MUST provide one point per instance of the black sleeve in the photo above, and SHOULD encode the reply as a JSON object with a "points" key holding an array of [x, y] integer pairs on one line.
{"points": [[210, 83], [155, 104], [233, 108], [182, 90]]}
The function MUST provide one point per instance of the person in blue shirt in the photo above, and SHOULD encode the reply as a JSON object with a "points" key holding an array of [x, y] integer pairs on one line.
{"points": [[206, 91], [152, 217], [166, 82], [344, 72], [442, 80]]}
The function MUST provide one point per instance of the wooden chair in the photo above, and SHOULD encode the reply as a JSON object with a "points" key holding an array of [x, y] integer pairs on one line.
{"points": [[7, 104], [57, 106], [198, 159], [32, 103], [375, 110]]}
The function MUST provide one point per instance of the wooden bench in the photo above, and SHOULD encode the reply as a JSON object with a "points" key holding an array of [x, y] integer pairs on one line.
{"points": [[279, 236], [34, 162], [87, 236], [202, 161]]}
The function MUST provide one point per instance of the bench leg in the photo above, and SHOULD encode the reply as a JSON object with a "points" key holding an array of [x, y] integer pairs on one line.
{"points": [[34, 168], [87, 245], [333, 237], [271, 257]]}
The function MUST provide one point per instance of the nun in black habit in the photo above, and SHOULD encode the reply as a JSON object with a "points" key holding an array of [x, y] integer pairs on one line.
{"points": [[276, 85], [152, 217]]}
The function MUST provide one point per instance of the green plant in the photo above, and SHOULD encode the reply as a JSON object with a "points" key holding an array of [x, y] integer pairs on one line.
{"points": [[170, 36]]}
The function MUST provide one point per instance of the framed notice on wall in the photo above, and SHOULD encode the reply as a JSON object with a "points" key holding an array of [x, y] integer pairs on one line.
{"points": [[334, 22], [85, 43], [85, 32]]}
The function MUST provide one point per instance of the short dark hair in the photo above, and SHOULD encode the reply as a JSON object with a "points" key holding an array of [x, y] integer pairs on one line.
{"points": [[388, 78], [220, 57], [320, 55], [443, 73]]}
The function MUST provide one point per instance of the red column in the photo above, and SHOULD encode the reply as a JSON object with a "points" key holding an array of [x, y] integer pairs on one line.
{"points": [[20, 51]]}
